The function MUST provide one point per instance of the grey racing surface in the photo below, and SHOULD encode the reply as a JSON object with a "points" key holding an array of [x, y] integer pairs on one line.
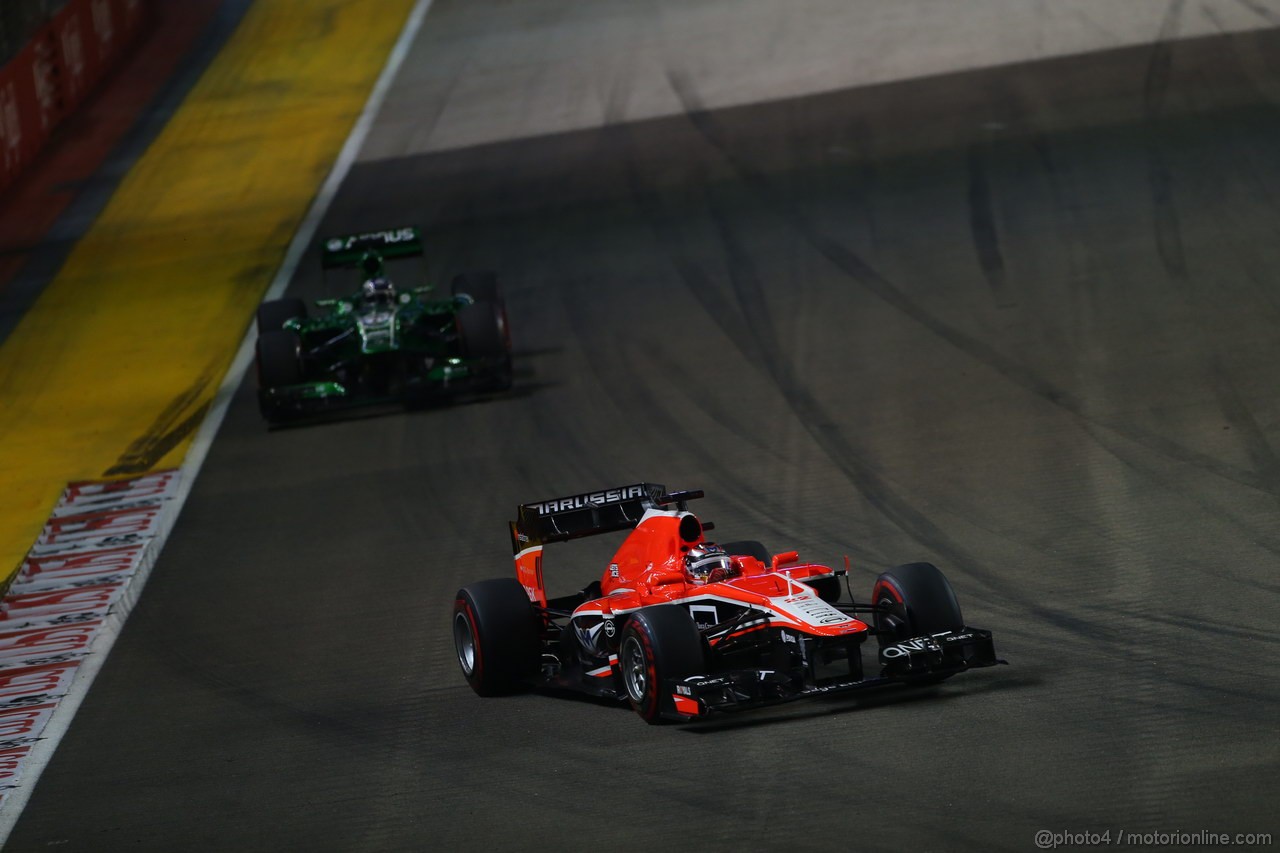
{"points": [[1021, 322]]}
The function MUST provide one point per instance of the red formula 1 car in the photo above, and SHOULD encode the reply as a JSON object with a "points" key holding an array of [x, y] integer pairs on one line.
{"points": [[683, 628]]}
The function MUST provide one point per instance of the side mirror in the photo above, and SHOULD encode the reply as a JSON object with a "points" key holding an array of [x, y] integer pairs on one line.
{"points": [[784, 558], [664, 579]]}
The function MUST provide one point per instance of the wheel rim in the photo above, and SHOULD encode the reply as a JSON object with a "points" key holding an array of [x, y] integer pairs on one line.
{"points": [[465, 642], [891, 619], [635, 672]]}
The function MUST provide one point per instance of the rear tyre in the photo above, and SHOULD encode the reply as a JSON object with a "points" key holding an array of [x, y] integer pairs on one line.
{"points": [[749, 548], [273, 314], [495, 635], [828, 589], [481, 286], [914, 600], [659, 643]]}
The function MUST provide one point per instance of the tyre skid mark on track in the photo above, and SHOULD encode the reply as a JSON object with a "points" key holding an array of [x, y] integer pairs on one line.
{"points": [[1136, 462], [1192, 622], [745, 494], [811, 413], [766, 358], [640, 395], [852, 265], [1097, 430], [1261, 11], [771, 358], [709, 297], [982, 225], [1172, 251], [607, 362], [867, 481], [1146, 682]]}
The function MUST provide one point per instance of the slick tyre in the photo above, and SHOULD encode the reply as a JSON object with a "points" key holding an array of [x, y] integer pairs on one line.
{"points": [[277, 359], [828, 589], [913, 600], [481, 330], [659, 644], [749, 548], [481, 286], [483, 335], [495, 635], [273, 314]]}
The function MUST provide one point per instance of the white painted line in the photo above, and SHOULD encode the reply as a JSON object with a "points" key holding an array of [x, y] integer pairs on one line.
{"points": [[61, 720]]}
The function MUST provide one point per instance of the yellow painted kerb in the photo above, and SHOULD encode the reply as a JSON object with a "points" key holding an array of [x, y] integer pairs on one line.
{"points": [[124, 350]]}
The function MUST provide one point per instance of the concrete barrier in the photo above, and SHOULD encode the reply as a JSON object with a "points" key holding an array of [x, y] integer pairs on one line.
{"points": [[57, 69]]}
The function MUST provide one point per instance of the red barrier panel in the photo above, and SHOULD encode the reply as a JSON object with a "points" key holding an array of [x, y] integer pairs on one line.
{"points": [[57, 69]]}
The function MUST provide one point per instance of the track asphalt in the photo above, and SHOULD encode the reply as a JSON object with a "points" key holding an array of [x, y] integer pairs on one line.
{"points": [[1019, 322]]}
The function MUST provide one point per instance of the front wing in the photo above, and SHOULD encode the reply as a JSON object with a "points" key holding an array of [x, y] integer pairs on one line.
{"points": [[916, 661], [315, 398]]}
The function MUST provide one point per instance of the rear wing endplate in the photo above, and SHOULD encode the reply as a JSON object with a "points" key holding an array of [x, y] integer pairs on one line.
{"points": [[350, 250]]}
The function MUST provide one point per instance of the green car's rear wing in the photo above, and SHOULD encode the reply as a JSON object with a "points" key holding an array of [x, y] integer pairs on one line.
{"points": [[351, 250]]}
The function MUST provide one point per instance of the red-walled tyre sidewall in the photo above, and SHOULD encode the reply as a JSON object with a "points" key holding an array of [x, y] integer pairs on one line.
{"points": [[921, 602], [502, 628], [671, 647]]}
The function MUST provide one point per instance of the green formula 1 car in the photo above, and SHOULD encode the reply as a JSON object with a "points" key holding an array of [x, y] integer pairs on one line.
{"points": [[383, 343]]}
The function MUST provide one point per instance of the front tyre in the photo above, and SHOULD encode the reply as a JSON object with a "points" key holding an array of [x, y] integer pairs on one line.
{"points": [[495, 636], [659, 644], [483, 336], [480, 286], [278, 364], [914, 600], [274, 313], [278, 360]]}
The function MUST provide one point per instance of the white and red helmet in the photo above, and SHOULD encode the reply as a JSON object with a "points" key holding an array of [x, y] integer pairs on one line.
{"points": [[708, 563]]}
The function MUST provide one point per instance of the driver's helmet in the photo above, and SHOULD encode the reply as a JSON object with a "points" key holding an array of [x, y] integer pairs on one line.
{"points": [[379, 291], [707, 563]]}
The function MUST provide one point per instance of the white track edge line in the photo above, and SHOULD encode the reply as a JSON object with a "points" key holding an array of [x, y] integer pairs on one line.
{"points": [[60, 720]]}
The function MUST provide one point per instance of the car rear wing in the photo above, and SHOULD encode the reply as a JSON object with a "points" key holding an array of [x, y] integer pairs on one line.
{"points": [[576, 516], [351, 250]]}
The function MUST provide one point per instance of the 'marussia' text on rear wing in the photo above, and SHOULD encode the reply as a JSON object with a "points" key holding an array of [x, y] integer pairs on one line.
{"points": [[576, 516], [350, 250]]}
